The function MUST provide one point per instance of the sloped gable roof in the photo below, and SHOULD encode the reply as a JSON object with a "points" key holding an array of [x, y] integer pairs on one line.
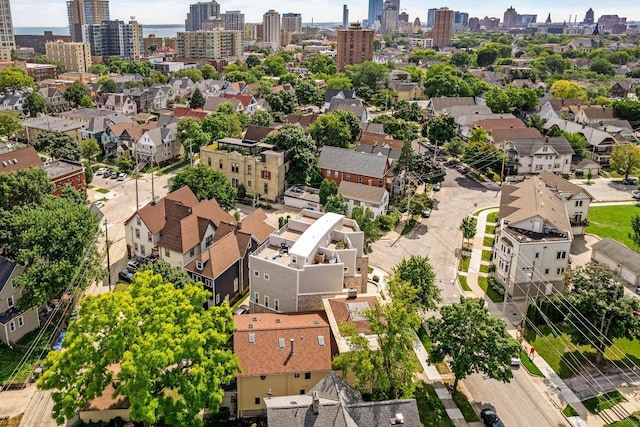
{"points": [[218, 257], [16, 160], [349, 161]]}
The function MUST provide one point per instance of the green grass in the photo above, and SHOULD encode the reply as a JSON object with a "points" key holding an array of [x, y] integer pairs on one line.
{"points": [[465, 407], [11, 358], [424, 338], [463, 282], [430, 408], [464, 263], [102, 190], [487, 241], [491, 229], [493, 216], [476, 213], [603, 402], [408, 227], [120, 287], [529, 365], [493, 295], [173, 167], [486, 256], [484, 268], [632, 421], [612, 221], [568, 411]]}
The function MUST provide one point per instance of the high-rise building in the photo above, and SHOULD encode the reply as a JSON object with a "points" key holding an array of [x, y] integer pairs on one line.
{"points": [[389, 18], [345, 16], [6, 31], [442, 27], [271, 28], [233, 20], [251, 31], [74, 56], [355, 45], [216, 44], [200, 12], [375, 10], [292, 22], [431, 16], [589, 17], [115, 39], [85, 12]]}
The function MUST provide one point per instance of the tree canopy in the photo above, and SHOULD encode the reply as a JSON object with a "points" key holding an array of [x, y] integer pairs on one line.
{"points": [[440, 129], [565, 89], [33, 104], [58, 145], [417, 271], [75, 93], [10, 123], [24, 187], [154, 344], [206, 183], [302, 152], [15, 78], [625, 159]]}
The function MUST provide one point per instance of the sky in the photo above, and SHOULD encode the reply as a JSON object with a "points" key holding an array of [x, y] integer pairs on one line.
{"points": [[53, 13]]}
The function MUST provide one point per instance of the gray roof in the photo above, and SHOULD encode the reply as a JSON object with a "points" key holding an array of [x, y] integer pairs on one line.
{"points": [[344, 160], [337, 103], [6, 269], [159, 135], [593, 136], [346, 93], [561, 185], [621, 254], [51, 123], [449, 101], [100, 124], [529, 146], [361, 192], [213, 103], [85, 114], [373, 149]]}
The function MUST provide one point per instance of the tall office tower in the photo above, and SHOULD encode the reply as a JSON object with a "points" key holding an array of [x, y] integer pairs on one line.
{"points": [[394, 3], [233, 20], [355, 45], [85, 12], [345, 16], [292, 22], [200, 12], [115, 39], [403, 18], [510, 18], [6, 31], [251, 31], [442, 26], [389, 18], [215, 44], [271, 28], [431, 16], [589, 17], [375, 10], [74, 56]]}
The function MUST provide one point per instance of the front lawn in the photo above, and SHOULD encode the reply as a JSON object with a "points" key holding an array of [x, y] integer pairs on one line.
{"points": [[10, 360], [431, 410], [465, 407], [490, 292], [529, 365], [488, 241], [568, 411], [632, 421], [463, 282], [464, 263], [491, 229], [612, 221], [486, 255], [603, 402], [493, 216]]}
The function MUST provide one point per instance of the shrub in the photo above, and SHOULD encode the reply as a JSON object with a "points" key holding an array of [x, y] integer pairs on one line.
{"points": [[376, 279], [389, 221], [495, 286]]}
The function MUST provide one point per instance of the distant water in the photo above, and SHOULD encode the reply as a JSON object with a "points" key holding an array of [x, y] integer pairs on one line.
{"points": [[169, 30]]}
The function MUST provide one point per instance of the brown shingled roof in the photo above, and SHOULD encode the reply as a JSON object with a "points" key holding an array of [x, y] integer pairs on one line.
{"points": [[132, 128], [265, 356], [217, 258], [490, 124], [257, 133], [255, 224], [506, 134], [341, 313], [380, 140], [20, 159]]}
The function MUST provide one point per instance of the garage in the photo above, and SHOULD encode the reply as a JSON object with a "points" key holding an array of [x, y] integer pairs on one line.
{"points": [[621, 259]]}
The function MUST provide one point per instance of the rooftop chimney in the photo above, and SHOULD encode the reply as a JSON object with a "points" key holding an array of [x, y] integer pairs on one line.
{"points": [[291, 352], [316, 402]]}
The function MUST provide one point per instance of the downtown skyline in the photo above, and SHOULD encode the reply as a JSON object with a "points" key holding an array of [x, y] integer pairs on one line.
{"points": [[44, 13]]}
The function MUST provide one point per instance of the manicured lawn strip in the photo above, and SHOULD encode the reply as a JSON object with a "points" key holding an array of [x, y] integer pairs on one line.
{"points": [[464, 263], [493, 295], [173, 167], [612, 221], [463, 282], [487, 241], [491, 229], [603, 402], [430, 408], [424, 338], [568, 411], [632, 421], [484, 268], [493, 216], [530, 366], [486, 256], [408, 227], [476, 213], [102, 190], [465, 407]]}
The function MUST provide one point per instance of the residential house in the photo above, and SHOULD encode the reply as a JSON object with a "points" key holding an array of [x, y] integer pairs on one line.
{"points": [[255, 165], [182, 86], [576, 200], [120, 138], [582, 167], [440, 105], [599, 143], [350, 106], [304, 120], [407, 91], [118, 103], [12, 100], [619, 90], [338, 164], [557, 108], [314, 256], [527, 156], [34, 126], [84, 115], [582, 45], [258, 133], [16, 160], [212, 103], [303, 197], [14, 323], [177, 228], [180, 111], [533, 240], [249, 103], [337, 94], [587, 114], [149, 99], [619, 127], [54, 99], [65, 172], [98, 125], [158, 145], [372, 128], [333, 402], [347, 310], [280, 355], [621, 259], [501, 135], [366, 196]]}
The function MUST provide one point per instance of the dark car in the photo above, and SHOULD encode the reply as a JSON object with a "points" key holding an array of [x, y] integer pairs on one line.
{"points": [[126, 276], [490, 418], [629, 181], [461, 169]]}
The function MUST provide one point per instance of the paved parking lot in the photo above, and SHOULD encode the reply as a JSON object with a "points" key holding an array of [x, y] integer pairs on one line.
{"points": [[606, 189]]}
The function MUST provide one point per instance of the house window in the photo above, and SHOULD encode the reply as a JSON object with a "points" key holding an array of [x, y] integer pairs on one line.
{"points": [[307, 375], [560, 271], [12, 326], [336, 174], [150, 237], [138, 221], [578, 202], [143, 250], [266, 175], [235, 168], [235, 285], [10, 302], [192, 252], [266, 301], [235, 182], [217, 299], [249, 169], [256, 401], [538, 167], [302, 391], [20, 321], [537, 254], [208, 240], [256, 273], [347, 177], [578, 217], [209, 161], [359, 180], [296, 375], [561, 255], [135, 246], [266, 189], [546, 271], [266, 276], [167, 253], [137, 233], [256, 298], [220, 164], [276, 305], [328, 173], [249, 183]]}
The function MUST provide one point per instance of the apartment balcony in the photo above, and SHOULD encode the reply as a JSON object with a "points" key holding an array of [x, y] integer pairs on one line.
{"points": [[579, 222]]}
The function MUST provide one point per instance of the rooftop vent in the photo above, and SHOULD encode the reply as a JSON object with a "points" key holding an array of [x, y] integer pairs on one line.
{"points": [[353, 293], [397, 419], [316, 402], [252, 338], [281, 342], [321, 340], [292, 352]]}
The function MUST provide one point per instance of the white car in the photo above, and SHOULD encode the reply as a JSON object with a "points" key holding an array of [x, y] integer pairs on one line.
{"points": [[635, 194], [100, 171], [122, 176]]}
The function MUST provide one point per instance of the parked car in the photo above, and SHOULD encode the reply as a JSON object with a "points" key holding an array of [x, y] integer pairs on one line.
{"points": [[114, 175], [133, 266], [629, 181], [461, 169], [99, 204], [635, 194], [101, 171], [490, 418], [437, 186], [106, 173], [426, 213], [126, 276], [241, 309], [515, 361], [122, 176]]}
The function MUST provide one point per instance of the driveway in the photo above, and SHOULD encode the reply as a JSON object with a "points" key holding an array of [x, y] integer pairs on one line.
{"points": [[606, 189]]}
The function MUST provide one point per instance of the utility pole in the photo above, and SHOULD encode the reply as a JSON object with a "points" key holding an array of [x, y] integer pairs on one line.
{"points": [[106, 240]]}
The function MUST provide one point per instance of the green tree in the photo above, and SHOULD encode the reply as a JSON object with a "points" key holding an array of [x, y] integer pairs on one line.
{"points": [[368, 74], [274, 65], [409, 111], [53, 241], [301, 150], [455, 147], [209, 72], [625, 159], [252, 61], [58, 145], [635, 226], [627, 110], [75, 93], [99, 69], [336, 204], [419, 273], [107, 85], [486, 56], [176, 276], [364, 218], [468, 228], [86, 102], [15, 78], [306, 92], [578, 142], [192, 73], [10, 123], [445, 80], [460, 58], [327, 188], [602, 66], [340, 81], [473, 340], [216, 125], [24, 187], [90, 149], [319, 63], [483, 156], [599, 298], [166, 374], [387, 371], [440, 129], [478, 135], [261, 118], [206, 183], [328, 129], [197, 99], [34, 103], [282, 101], [565, 89], [126, 163]]}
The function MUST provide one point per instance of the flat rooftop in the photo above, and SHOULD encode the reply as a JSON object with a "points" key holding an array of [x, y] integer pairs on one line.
{"points": [[52, 123], [316, 231], [60, 167]]}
